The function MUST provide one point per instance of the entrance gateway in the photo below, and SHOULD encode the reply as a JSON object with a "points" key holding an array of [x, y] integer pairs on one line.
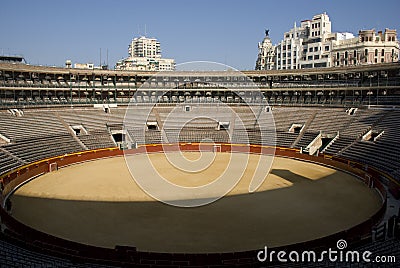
{"points": [[217, 148]]}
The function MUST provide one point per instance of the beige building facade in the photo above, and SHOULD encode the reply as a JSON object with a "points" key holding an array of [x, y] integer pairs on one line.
{"points": [[369, 47]]}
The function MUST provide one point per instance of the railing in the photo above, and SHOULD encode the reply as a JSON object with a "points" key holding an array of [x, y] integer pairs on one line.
{"points": [[355, 101], [299, 85]]}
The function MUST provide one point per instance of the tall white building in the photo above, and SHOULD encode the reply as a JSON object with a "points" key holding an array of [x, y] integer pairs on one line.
{"points": [[288, 51], [306, 46], [145, 55], [316, 50], [144, 47]]}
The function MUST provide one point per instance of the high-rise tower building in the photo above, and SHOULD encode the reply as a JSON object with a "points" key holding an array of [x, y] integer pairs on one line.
{"points": [[144, 47], [145, 55]]}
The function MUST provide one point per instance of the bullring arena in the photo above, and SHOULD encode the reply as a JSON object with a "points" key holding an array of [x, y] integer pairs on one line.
{"points": [[70, 197], [98, 203]]}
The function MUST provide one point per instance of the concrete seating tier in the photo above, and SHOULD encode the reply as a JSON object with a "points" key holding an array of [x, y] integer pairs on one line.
{"points": [[306, 139], [285, 117], [34, 149], [382, 153], [34, 123], [100, 139], [8, 162]]}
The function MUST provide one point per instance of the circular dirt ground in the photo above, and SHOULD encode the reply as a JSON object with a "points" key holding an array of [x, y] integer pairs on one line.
{"points": [[99, 203]]}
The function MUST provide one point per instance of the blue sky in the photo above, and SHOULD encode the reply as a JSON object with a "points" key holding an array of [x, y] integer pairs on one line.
{"points": [[49, 32]]}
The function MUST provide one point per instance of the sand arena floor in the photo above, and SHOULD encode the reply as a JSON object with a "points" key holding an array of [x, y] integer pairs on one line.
{"points": [[99, 203]]}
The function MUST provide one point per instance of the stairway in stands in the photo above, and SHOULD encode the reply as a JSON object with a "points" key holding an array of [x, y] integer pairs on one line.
{"points": [[71, 131], [305, 127]]}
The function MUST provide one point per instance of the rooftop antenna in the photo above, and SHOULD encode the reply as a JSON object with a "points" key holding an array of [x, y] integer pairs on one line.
{"points": [[100, 58], [145, 31], [107, 58]]}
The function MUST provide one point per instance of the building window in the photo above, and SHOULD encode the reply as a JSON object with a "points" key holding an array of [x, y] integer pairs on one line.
{"points": [[346, 54], [376, 53], [337, 55], [376, 60], [309, 57], [326, 48], [355, 53], [311, 49], [383, 52], [316, 57]]}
